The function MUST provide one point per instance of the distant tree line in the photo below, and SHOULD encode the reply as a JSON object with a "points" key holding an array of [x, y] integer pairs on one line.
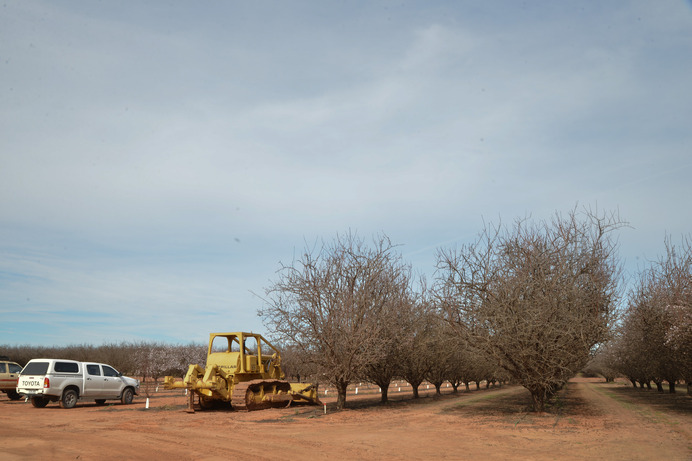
{"points": [[141, 359]]}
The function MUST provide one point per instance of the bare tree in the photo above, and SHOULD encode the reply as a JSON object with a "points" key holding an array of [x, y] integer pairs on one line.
{"points": [[605, 361], [417, 352], [295, 363], [459, 371], [674, 275], [395, 320], [188, 354], [645, 329], [656, 341], [537, 297], [330, 304], [443, 348]]}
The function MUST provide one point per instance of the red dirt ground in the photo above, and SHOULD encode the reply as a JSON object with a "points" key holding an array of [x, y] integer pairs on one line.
{"points": [[590, 420]]}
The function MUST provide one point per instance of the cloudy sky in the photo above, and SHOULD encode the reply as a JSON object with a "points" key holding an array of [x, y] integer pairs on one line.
{"points": [[158, 159]]}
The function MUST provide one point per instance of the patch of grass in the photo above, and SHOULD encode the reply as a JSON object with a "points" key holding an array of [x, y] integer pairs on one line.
{"points": [[166, 407], [299, 413], [275, 420]]}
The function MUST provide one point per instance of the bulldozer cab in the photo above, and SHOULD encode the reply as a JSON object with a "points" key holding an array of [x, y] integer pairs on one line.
{"points": [[243, 353]]}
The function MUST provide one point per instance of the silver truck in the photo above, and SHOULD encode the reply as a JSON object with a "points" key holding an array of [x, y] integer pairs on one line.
{"points": [[67, 381]]}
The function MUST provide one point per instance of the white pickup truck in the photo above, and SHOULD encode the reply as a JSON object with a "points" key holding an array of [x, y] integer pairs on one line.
{"points": [[66, 381]]}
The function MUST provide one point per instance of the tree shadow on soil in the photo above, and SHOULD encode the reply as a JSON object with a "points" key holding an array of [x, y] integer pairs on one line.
{"points": [[375, 404], [680, 402], [565, 404]]}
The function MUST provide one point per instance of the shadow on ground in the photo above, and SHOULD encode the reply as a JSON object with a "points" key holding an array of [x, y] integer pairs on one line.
{"points": [[566, 403], [680, 402]]}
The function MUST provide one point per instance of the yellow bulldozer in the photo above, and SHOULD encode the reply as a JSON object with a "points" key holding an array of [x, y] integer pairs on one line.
{"points": [[245, 370]]}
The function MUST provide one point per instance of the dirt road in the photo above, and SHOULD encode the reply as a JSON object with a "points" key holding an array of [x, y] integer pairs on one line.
{"points": [[590, 420]]}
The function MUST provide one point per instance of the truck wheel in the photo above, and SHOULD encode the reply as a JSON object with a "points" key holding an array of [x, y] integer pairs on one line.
{"points": [[100, 402], [13, 395], [69, 399], [39, 402], [127, 397]]}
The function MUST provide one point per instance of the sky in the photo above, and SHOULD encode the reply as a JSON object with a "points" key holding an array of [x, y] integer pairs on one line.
{"points": [[160, 159]]}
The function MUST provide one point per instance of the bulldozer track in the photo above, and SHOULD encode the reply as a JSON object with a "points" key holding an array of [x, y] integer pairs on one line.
{"points": [[242, 398]]}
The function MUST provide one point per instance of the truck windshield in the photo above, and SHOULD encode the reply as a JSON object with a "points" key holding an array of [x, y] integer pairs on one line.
{"points": [[35, 368]]}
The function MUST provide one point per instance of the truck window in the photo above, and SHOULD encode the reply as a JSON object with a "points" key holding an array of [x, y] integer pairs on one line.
{"points": [[35, 368], [14, 368], [108, 371], [93, 370], [2, 368], [66, 367]]}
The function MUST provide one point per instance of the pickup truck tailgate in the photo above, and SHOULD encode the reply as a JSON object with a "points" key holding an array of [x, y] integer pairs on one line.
{"points": [[32, 378], [30, 384]]}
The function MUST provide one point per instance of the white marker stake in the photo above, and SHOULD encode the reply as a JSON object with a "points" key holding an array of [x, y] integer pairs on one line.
{"points": [[147, 404], [399, 389], [157, 388], [356, 391], [185, 391], [325, 392], [325, 408]]}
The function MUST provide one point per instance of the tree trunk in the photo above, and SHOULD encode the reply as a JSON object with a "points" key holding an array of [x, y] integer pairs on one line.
{"points": [[538, 397], [478, 385], [659, 386], [455, 388], [341, 395], [384, 386], [385, 394], [671, 386], [414, 386], [438, 391], [468, 388]]}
